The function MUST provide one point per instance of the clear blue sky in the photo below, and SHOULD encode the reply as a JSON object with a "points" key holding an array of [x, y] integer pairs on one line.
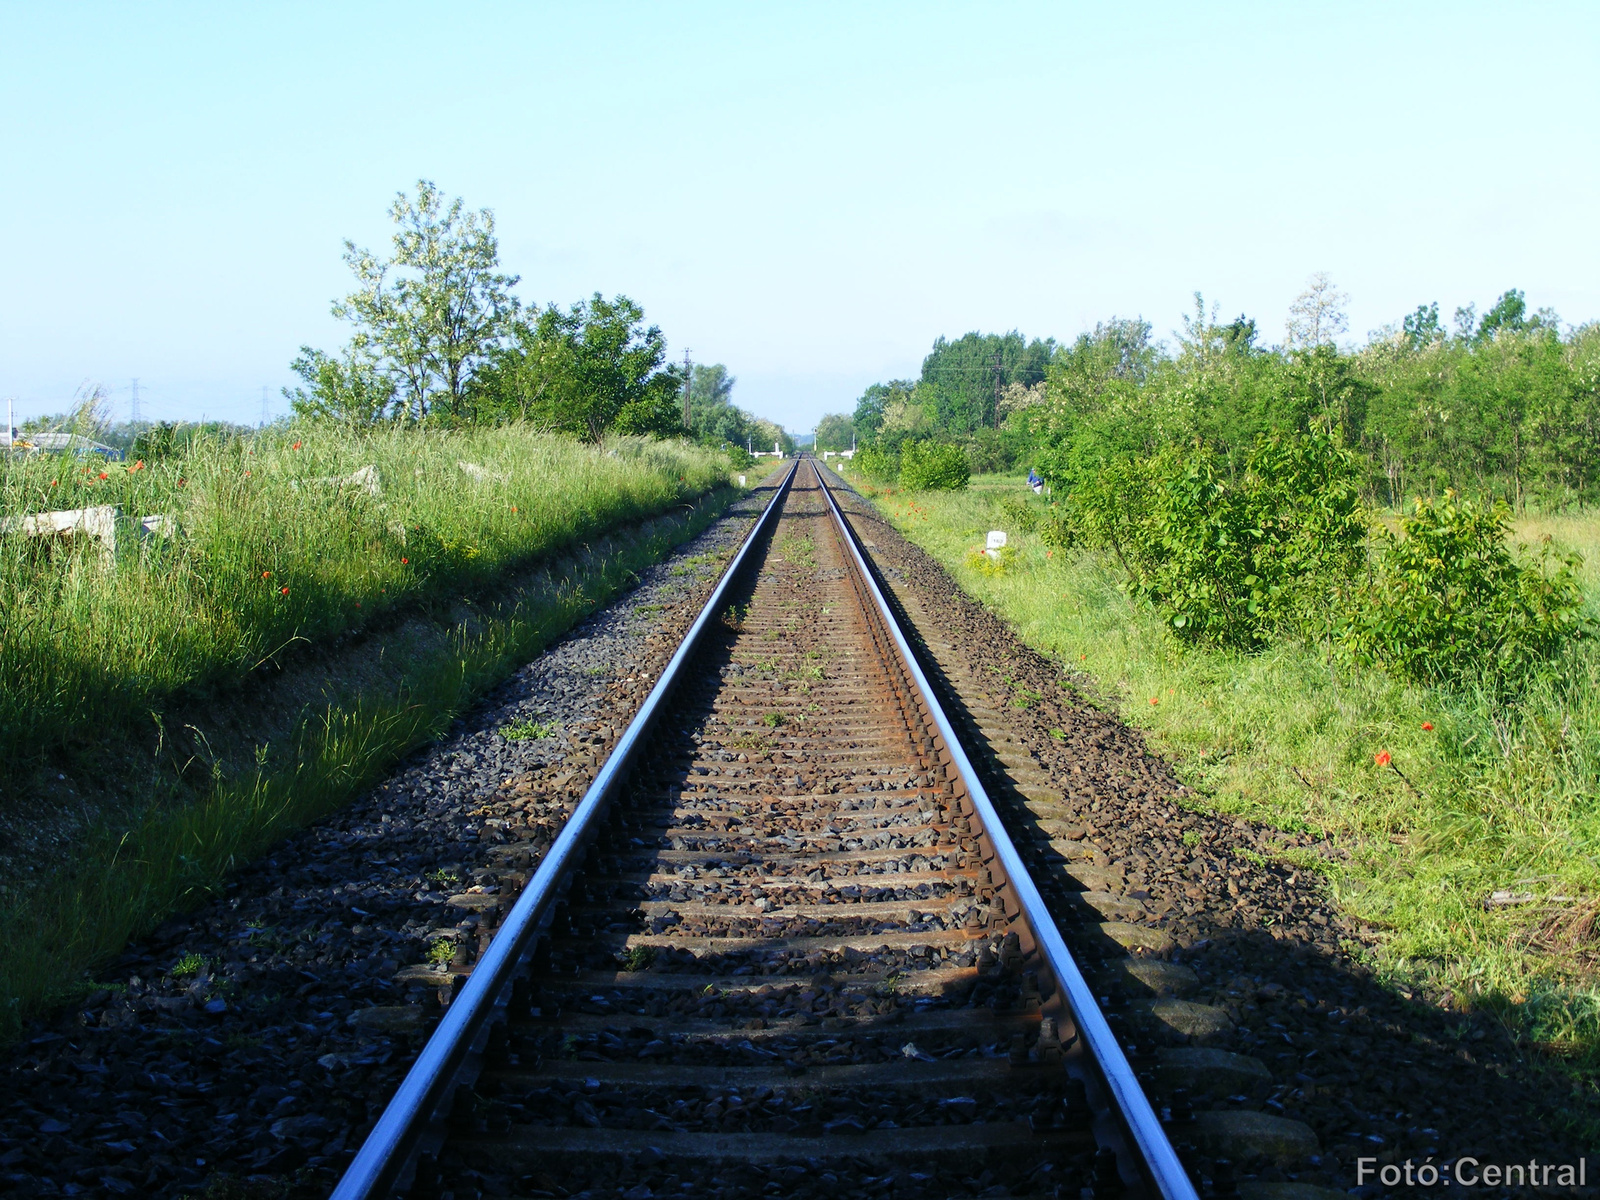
{"points": [[809, 193]]}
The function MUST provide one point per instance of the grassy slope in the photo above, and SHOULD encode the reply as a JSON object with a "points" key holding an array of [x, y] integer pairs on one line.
{"points": [[280, 547], [124, 882], [1487, 800]]}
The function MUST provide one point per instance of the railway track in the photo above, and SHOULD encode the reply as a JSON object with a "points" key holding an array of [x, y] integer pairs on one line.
{"points": [[783, 946]]}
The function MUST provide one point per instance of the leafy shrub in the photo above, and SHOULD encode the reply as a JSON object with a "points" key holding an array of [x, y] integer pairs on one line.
{"points": [[1449, 601], [876, 465], [930, 466], [1057, 531], [1234, 561], [1050, 522], [1021, 514], [989, 452]]}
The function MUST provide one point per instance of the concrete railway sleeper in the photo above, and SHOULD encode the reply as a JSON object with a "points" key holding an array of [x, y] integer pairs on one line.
{"points": [[782, 947]]}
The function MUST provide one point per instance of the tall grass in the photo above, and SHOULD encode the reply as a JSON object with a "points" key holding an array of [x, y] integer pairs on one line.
{"points": [[1494, 797], [122, 882], [284, 539]]}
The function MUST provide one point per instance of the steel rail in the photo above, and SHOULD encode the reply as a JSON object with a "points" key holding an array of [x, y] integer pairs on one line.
{"points": [[381, 1163], [1156, 1163]]}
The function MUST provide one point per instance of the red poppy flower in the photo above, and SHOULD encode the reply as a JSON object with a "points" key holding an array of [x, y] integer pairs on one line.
{"points": [[103, 475], [283, 591], [1154, 700], [1382, 758], [404, 561], [296, 446], [266, 574], [1428, 726]]}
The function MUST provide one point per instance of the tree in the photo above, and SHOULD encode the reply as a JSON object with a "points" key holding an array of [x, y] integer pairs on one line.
{"points": [[713, 419], [962, 381], [584, 371], [426, 319], [835, 432], [1422, 327], [1509, 313], [710, 385], [1239, 335], [869, 409], [1317, 315], [353, 388]]}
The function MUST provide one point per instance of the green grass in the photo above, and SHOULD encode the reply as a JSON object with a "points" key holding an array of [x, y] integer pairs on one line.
{"points": [[123, 882], [528, 730], [280, 548], [1491, 798]]}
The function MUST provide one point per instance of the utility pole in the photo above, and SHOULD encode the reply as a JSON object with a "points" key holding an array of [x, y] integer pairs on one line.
{"points": [[997, 389], [688, 386], [133, 405]]}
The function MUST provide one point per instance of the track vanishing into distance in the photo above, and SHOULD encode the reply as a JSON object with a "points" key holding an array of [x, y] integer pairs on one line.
{"points": [[783, 946]]}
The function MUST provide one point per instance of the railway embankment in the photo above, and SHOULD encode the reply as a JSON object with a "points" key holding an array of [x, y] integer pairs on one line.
{"points": [[210, 705]]}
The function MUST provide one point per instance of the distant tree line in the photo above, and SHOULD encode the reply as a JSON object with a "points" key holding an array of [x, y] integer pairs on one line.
{"points": [[1502, 405], [438, 337], [716, 421]]}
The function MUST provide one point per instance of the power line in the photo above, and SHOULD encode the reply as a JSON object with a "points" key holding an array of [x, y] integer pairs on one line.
{"points": [[265, 415], [133, 405]]}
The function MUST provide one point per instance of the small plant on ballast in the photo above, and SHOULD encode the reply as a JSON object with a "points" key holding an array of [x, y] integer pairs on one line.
{"points": [[528, 730], [638, 958]]}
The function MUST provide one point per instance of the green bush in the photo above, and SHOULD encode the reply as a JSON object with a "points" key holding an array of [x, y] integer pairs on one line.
{"points": [[930, 466], [991, 451], [1020, 513], [1448, 601], [1050, 521], [876, 465], [1234, 560], [739, 459]]}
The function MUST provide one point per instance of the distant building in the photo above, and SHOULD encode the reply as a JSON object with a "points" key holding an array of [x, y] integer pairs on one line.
{"points": [[56, 442]]}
